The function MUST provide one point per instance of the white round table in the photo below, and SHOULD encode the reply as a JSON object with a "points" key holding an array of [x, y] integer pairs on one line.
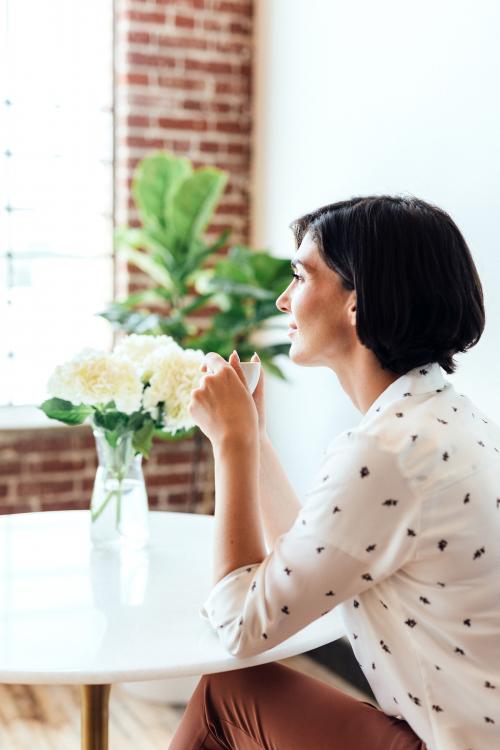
{"points": [[71, 613]]}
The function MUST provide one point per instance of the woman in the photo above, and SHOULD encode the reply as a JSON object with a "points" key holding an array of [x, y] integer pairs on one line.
{"points": [[400, 528]]}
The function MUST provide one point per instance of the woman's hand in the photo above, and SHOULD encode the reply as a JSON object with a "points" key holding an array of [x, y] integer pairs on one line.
{"points": [[222, 406], [258, 394]]}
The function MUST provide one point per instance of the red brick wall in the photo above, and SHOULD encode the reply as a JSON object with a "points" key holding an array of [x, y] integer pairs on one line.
{"points": [[183, 83]]}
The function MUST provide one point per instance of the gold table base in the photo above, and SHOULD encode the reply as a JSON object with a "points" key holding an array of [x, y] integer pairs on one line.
{"points": [[95, 716]]}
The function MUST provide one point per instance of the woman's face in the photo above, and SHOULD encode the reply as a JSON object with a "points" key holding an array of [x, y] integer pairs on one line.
{"points": [[321, 309]]}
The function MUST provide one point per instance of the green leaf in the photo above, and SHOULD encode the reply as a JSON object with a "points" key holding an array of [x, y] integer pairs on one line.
{"points": [[142, 439], [191, 206], [113, 423], [151, 239], [151, 267], [156, 179], [65, 411]]}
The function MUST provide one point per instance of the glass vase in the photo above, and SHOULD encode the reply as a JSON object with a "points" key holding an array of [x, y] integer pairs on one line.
{"points": [[119, 505]]}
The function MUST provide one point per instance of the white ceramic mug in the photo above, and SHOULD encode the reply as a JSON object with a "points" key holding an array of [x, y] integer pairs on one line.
{"points": [[251, 371]]}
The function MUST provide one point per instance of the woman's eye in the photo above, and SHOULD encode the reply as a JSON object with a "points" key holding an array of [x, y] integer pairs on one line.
{"points": [[296, 276]]}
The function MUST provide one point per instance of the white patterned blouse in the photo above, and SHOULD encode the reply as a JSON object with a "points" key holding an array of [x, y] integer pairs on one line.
{"points": [[401, 530]]}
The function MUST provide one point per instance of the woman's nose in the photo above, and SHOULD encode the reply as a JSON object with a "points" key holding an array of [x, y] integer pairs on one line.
{"points": [[282, 303]]}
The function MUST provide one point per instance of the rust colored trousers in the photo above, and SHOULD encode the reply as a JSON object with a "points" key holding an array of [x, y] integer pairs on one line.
{"points": [[275, 707]]}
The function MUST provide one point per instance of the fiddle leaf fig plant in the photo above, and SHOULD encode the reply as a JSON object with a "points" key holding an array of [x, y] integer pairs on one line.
{"points": [[175, 203]]}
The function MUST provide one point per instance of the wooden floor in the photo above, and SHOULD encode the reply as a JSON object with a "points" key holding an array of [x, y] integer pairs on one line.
{"points": [[46, 717]]}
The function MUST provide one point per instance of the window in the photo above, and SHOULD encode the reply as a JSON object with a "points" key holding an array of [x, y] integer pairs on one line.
{"points": [[56, 187]]}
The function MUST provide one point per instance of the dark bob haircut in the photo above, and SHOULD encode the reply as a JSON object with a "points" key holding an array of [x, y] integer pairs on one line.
{"points": [[419, 298]]}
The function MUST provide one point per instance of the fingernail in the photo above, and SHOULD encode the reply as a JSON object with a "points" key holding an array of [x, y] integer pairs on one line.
{"points": [[235, 352], [256, 355]]}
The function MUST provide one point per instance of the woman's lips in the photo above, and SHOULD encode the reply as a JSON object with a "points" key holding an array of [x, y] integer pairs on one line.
{"points": [[291, 330]]}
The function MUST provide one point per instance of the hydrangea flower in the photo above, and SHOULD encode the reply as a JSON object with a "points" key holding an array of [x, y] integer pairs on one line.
{"points": [[176, 372], [93, 377]]}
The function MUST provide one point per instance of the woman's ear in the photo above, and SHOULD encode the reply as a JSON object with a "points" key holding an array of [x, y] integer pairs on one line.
{"points": [[352, 309]]}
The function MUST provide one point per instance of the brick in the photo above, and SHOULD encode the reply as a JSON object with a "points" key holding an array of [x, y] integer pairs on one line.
{"points": [[184, 22], [209, 66], [174, 41], [168, 459], [134, 79], [229, 87], [4, 490], [10, 467], [232, 7], [56, 465], [155, 61], [168, 480], [238, 28], [179, 123], [144, 17], [138, 37], [211, 25], [138, 121], [183, 83], [210, 147], [136, 141], [16, 508], [228, 126], [42, 488]]}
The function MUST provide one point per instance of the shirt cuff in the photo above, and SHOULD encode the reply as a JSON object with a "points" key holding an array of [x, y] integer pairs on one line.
{"points": [[223, 601]]}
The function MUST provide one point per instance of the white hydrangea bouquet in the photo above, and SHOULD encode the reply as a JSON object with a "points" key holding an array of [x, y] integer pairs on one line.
{"points": [[139, 390]]}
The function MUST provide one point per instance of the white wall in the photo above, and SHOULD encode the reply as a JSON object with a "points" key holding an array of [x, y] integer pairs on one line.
{"points": [[367, 97]]}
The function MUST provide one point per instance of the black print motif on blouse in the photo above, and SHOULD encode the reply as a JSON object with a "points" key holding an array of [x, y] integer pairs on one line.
{"points": [[364, 471], [478, 553], [390, 502]]}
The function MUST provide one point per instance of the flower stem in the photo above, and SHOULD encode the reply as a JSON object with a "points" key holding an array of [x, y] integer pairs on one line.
{"points": [[108, 497], [119, 503]]}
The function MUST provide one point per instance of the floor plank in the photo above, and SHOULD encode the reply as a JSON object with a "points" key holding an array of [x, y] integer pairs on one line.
{"points": [[47, 717]]}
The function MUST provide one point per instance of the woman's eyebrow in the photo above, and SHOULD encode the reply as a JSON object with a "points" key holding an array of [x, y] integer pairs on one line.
{"points": [[295, 263]]}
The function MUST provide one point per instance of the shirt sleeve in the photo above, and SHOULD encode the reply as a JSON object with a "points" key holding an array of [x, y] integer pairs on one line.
{"points": [[358, 525]]}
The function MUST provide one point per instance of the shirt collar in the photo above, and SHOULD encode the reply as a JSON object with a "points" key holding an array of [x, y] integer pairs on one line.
{"points": [[422, 379]]}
